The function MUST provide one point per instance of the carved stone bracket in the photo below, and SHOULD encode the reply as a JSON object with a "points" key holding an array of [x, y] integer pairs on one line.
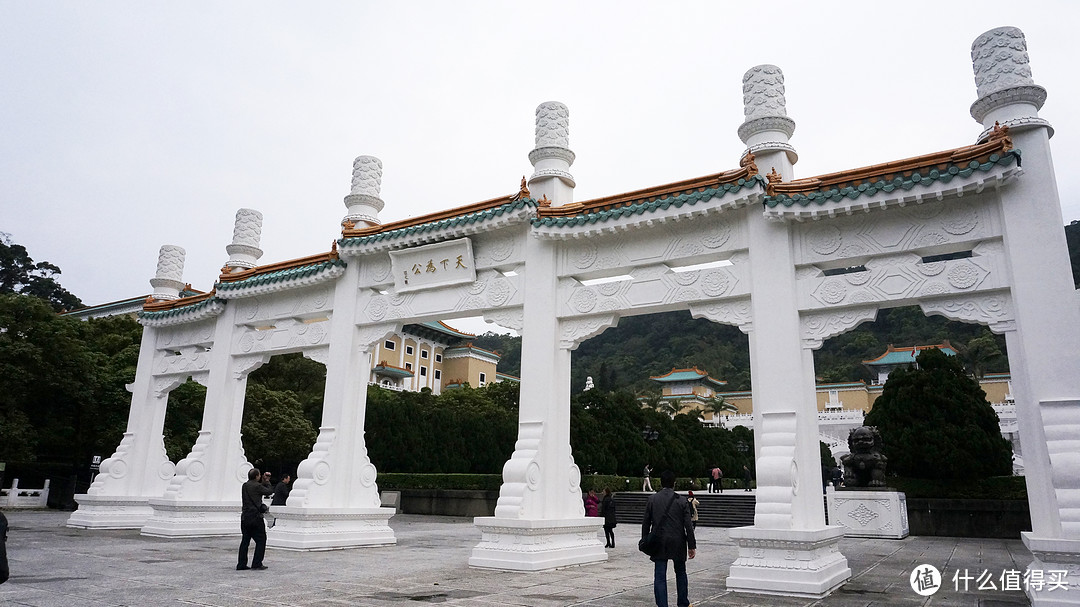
{"points": [[1061, 421], [576, 330], [319, 355], [242, 365], [992, 309], [370, 335], [735, 312], [508, 318], [816, 327]]}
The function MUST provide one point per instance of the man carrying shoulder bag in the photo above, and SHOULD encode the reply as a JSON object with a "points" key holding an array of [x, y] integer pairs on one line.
{"points": [[667, 515]]}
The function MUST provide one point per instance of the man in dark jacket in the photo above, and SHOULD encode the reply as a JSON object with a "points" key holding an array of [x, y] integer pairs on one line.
{"points": [[3, 549], [251, 520], [281, 491], [669, 513]]}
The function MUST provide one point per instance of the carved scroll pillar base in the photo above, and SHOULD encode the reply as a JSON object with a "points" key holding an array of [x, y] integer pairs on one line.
{"points": [[537, 545], [869, 513], [788, 562], [174, 518], [110, 512], [310, 529], [1057, 561]]}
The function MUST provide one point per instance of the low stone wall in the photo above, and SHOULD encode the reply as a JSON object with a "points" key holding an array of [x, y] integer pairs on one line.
{"points": [[448, 502], [968, 518]]}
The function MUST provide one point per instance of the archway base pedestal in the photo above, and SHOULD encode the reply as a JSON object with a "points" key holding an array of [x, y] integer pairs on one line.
{"points": [[788, 562], [311, 529], [110, 512], [1057, 564], [537, 545], [176, 518]]}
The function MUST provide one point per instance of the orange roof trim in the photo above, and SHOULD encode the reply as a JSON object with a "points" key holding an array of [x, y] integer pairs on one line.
{"points": [[277, 267], [153, 305], [485, 205], [998, 142], [698, 184]]}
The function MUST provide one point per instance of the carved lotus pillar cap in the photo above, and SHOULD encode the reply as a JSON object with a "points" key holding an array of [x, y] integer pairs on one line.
{"points": [[169, 278], [363, 201], [1002, 73], [247, 232], [552, 156], [766, 126]]}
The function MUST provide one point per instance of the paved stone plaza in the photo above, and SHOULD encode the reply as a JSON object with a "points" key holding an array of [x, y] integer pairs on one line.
{"points": [[52, 565]]}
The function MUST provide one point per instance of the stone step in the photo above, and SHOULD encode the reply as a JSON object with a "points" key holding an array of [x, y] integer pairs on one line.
{"points": [[733, 508]]}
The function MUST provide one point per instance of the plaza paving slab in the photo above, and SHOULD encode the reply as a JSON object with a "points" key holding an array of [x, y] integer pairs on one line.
{"points": [[52, 565]]}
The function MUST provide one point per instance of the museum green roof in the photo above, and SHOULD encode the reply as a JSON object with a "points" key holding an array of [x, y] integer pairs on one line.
{"points": [[194, 304], [684, 375], [903, 356], [301, 268], [391, 371], [891, 176]]}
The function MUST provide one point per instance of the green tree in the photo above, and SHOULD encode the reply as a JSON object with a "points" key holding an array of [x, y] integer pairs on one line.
{"points": [[20, 274], [936, 424], [274, 428]]}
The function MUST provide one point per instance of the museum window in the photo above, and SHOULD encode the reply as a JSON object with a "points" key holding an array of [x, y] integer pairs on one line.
{"points": [[483, 379], [438, 358], [388, 345], [423, 371], [408, 366], [423, 354], [408, 350], [438, 374]]}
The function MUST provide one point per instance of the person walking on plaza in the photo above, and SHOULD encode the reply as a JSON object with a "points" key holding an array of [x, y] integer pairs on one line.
{"points": [[4, 571], [607, 510], [747, 477], [669, 513], [281, 491], [592, 504], [646, 482], [251, 520], [717, 480], [694, 503]]}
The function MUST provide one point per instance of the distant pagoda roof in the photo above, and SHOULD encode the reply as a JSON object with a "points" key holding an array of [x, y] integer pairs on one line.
{"points": [[904, 356], [438, 331], [692, 374], [388, 370]]}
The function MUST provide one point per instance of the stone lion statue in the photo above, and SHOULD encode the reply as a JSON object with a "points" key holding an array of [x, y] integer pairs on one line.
{"points": [[864, 466]]}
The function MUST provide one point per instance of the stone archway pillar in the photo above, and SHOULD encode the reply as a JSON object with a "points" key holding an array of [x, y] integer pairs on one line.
{"points": [[203, 497], [1043, 356], [540, 520], [139, 469], [789, 550], [335, 500]]}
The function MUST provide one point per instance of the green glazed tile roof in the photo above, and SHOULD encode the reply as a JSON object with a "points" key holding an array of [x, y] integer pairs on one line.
{"points": [[392, 371], [684, 375], [903, 356], [924, 177], [280, 276], [650, 205], [440, 224], [182, 310]]}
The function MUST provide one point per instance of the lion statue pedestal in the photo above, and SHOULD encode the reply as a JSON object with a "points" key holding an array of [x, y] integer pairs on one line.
{"points": [[866, 507]]}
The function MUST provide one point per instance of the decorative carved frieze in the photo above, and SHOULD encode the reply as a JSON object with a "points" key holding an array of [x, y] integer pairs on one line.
{"points": [[286, 334], [737, 312], [508, 318], [993, 309]]}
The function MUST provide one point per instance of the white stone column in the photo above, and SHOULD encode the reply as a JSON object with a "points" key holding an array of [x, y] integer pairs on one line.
{"points": [[1043, 357], [203, 497], [540, 520], [244, 250], [363, 202], [789, 550], [139, 469], [551, 158], [335, 500]]}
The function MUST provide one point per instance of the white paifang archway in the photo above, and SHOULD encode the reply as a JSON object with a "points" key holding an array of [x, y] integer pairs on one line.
{"points": [[963, 233]]}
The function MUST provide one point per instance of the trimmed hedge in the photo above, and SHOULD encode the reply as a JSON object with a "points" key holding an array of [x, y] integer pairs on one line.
{"points": [[396, 481], [995, 488]]}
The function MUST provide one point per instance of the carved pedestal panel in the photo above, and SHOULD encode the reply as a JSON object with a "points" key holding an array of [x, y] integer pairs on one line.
{"points": [[537, 545], [110, 512], [175, 518], [1057, 566], [788, 562], [869, 513], [309, 529]]}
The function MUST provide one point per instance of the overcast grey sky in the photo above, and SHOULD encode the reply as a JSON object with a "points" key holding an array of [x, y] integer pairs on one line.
{"points": [[128, 125]]}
